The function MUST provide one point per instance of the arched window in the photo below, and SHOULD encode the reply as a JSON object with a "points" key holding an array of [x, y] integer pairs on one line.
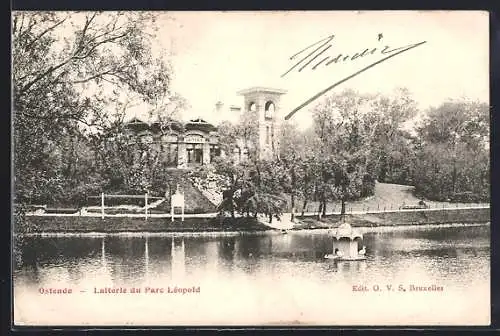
{"points": [[214, 152], [269, 110], [172, 154], [194, 154], [237, 154], [252, 107], [244, 154], [146, 137]]}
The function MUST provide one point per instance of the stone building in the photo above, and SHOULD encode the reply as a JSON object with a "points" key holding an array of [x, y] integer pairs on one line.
{"points": [[196, 142], [266, 102]]}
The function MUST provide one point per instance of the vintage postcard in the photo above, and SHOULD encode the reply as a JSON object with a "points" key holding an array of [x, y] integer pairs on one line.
{"points": [[277, 168]]}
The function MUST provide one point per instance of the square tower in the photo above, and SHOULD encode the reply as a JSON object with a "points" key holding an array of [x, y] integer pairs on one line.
{"points": [[266, 103]]}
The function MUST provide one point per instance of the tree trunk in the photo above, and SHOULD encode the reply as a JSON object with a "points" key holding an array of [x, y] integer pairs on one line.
{"points": [[292, 217], [342, 209], [454, 174], [270, 217], [231, 206], [319, 210], [231, 197], [323, 192], [454, 177], [304, 205]]}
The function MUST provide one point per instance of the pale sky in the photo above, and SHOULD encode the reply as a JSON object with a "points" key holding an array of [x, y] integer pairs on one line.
{"points": [[216, 54]]}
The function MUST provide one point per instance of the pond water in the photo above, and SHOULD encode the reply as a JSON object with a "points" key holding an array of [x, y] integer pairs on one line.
{"points": [[278, 279]]}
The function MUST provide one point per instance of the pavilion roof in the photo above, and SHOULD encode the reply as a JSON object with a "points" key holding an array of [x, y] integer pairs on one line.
{"points": [[138, 125], [345, 230]]}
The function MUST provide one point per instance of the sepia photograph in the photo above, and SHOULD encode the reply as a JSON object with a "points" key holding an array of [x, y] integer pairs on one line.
{"points": [[250, 168]]}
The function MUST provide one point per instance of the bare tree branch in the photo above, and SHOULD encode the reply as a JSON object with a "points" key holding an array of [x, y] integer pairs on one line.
{"points": [[30, 44]]}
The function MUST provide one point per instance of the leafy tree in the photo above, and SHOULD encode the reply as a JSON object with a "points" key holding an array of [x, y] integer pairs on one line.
{"points": [[394, 145], [228, 137], [454, 151], [294, 149], [307, 183], [345, 128], [70, 70], [253, 185], [457, 121], [234, 138], [266, 185], [247, 133], [234, 176]]}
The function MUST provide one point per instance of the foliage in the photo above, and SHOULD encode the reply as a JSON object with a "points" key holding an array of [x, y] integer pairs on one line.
{"points": [[239, 136], [394, 145], [344, 125], [251, 187], [70, 72], [294, 147], [75, 75], [232, 181], [453, 154], [357, 139]]}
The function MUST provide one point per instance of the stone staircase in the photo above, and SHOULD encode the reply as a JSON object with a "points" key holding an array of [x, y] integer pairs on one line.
{"points": [[209, 187], [213, 196], [196, 200]]}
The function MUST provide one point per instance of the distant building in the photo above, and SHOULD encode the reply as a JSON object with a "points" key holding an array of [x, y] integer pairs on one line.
{"points": [[266, 101], [196, 142], [183, 145]]}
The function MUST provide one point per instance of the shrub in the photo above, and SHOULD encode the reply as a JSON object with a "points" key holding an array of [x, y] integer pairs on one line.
{"points": [[467, 197]]}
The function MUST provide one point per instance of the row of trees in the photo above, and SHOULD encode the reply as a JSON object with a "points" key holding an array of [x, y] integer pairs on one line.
{"points": [[330, 162], [338, 159], [356, 140]]}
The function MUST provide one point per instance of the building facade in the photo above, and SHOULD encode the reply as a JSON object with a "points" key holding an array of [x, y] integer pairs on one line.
{"points": [[196, 142], [266, 103], [191, 144]]}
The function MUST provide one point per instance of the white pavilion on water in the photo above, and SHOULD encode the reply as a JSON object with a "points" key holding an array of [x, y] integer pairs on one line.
{"points": [[346, 243]]}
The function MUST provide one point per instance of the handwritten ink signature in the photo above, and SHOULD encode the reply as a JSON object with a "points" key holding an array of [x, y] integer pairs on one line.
{"points": [[323, 47]]}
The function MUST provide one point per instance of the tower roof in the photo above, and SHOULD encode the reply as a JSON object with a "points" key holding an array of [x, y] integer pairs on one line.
{"points": [[261, 89]]}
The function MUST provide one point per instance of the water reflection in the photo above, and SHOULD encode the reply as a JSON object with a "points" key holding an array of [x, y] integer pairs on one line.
{"points": [[178, 268], [159, 256], [132, 259], [345, 267], [129, 258], [455, 257]]}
